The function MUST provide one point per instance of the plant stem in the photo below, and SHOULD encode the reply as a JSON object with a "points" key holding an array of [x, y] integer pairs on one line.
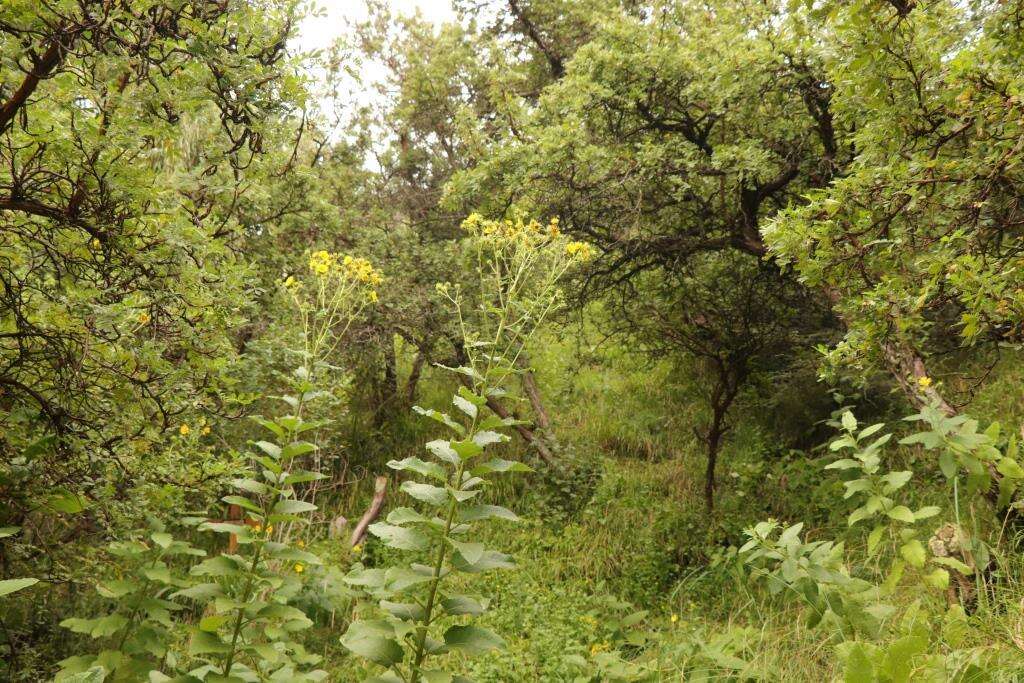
{"points": [[421, 636], [241, 610]]}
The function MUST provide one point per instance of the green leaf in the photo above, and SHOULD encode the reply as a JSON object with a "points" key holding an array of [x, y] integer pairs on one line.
{"points": [[939, 578], [271, 449], [399, 537], [373, 642], [874, 538], [947, 463], [849, 421], [897, 480], [470, 552], [443, 418], [65, 502], [472, 639], [297, 448], [404, 515], [858, 667], [9, 531], [443, 450], [467, 449], [414, 464], [213, 622], [427, 493], [8, 586], [913, 552], [290, 506], [926, 512], [468, 407], [486, 438], [206, 643], [478, 512], [844, 464], [242, 501], [901, 513], [499, 465], [407, 611], [456, 605], [490, 559]]}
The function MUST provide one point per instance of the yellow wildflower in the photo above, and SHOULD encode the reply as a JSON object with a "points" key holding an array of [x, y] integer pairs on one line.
{"points": [[257, 528], [472, 223], [184, 430], [598, 647], [553, 229], [674, 618], [373, 296], [206, 429], [299, 568], [300, 543], [95, 243], [270, 528], [144, 318], [580, 250], [924, 382], [356, 549], [320, 262]]}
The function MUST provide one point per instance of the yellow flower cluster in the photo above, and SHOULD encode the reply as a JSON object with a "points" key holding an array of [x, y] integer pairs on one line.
{"points": [[323, 263], [579, 250], [475, 224], [362, 270]]}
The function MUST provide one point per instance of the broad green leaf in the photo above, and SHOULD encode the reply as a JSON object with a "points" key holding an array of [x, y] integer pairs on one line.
{"points": [[470, 552], [462, 604], [414, 464], [478, 512], [472, 639], [372, 642], [433, 495], [399, 537], [290, 506], [271, 449], [913, 552], [8, 586], [443, 450], [297, 448], [901, 513]]}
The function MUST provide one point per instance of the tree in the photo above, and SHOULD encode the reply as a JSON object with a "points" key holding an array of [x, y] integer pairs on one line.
{"points": [[733, 317], [130, 136], [920, 240]]}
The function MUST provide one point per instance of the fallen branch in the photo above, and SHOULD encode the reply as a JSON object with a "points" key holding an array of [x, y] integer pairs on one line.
{"points": [[372, 512]]}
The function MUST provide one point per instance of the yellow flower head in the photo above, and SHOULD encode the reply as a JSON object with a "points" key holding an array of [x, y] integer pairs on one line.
{"points": [[270, 528], [206, 429], [472, 223], [144, 318], [924, 382], [579, 250], [356, 549], [95, 243], [674, 618], [321, 262], [299, 569], [257, 528], [300, 543], [553, 229], [184, 430]]}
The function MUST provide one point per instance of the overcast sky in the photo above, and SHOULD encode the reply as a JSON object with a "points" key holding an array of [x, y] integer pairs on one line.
{"points": [[319, 32]]}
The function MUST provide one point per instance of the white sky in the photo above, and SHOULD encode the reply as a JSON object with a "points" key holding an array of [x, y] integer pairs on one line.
{"points": [[320, 32]]}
